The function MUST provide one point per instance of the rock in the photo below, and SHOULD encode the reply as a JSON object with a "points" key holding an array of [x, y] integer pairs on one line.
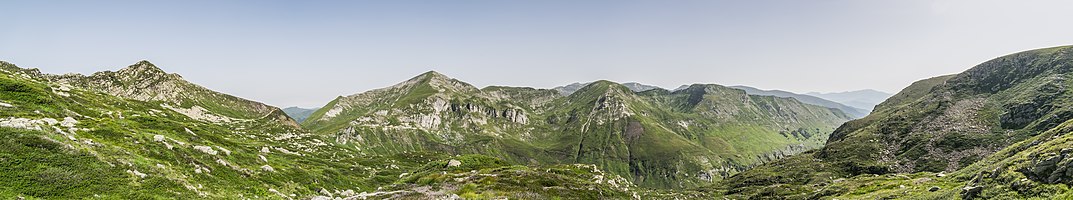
{"points": [[68, 122], [206, 149], [268, 168], [158, 138], [137, 173], [971, 192], [934, 188], [1050, 168], [454, 163], [226, 152]]}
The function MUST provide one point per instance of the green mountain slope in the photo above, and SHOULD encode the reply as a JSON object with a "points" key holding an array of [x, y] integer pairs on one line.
{"points": [[122, 135], [945, 124], [654, 138]]}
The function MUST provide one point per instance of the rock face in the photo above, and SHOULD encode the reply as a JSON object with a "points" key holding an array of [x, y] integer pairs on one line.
{"points": [[1051, 167], [656, 138]]}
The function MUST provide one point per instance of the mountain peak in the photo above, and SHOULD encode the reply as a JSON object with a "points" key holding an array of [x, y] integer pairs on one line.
{"points": [[436, 81], [142, 69], [143, 65], [603, 87], [431, 75]]}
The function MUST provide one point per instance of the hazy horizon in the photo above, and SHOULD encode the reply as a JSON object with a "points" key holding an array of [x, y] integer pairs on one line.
{"points": [[306, 53]]}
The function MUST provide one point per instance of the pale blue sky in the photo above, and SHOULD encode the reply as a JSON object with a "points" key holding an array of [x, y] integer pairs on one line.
{"points": [[305, 53]]}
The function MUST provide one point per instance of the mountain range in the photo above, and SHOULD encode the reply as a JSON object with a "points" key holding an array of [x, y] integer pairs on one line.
{"points": [[999, 130], [654, 138], [862, 97], [852, 111]]}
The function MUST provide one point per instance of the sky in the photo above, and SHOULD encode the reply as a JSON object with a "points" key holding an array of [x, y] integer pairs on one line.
{"points": [[306, 53]]}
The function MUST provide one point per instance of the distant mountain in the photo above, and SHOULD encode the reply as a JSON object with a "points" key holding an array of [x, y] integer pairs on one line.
{"points": [[865, 99], [566, 90], [637, 87], [299, 114], [682, 87], [852, 111]]}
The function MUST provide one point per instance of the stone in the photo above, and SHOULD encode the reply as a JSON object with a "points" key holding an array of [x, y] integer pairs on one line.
{"points": [[934, 188], [971, 192], [454, 163], [206, 149]]}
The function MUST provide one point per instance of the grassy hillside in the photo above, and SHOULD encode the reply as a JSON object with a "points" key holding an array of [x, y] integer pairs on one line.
{"points": [[66, 139], [954, 124]]}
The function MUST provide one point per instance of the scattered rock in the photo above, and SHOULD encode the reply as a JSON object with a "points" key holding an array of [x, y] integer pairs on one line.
{"points": [[268, 168], [454, 163], [23, 123], [226, 152], [198, 113], [68, 122], [347, 193], [137, 173], [934, 188], [971, 192], [206, 149]]}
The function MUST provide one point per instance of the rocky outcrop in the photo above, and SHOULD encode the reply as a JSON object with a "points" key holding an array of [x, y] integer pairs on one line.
{"points": [[1051, 167]]}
